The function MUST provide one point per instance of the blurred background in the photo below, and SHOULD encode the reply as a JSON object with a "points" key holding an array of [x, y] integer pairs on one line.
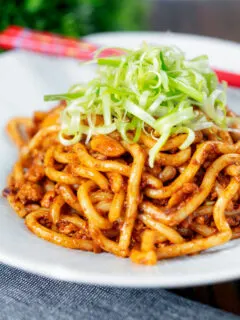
{"points": [[219, 18]]}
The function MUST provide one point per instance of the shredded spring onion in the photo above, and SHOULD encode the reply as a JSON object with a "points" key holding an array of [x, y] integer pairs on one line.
{"points": [[154, 87]]}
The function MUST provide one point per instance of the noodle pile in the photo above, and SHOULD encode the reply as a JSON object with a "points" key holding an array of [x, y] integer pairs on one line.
{"points": [[103, 196]]}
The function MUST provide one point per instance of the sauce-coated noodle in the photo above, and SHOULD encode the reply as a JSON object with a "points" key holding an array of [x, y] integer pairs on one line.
{"points": [[103, 196]]}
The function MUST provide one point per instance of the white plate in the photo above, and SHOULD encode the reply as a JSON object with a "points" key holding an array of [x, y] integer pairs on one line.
{"points": [[24, 78]]}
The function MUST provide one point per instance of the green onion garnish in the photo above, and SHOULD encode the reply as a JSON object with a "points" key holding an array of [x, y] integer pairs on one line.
{"points": [[151, 86]]}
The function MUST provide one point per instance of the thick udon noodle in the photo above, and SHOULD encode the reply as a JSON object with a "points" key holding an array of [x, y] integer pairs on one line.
{"points": [[103, 196]]}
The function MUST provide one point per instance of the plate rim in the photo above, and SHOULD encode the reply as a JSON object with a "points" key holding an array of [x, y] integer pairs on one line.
{"points": [[126, 281], [163, 33]]}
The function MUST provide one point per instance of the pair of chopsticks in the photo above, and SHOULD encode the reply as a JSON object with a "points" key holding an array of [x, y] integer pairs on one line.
{"points": [[48, 43]]}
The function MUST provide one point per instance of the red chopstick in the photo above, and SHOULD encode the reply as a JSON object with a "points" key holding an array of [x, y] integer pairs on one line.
{"points": [[48, 43], [233, 79]]}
